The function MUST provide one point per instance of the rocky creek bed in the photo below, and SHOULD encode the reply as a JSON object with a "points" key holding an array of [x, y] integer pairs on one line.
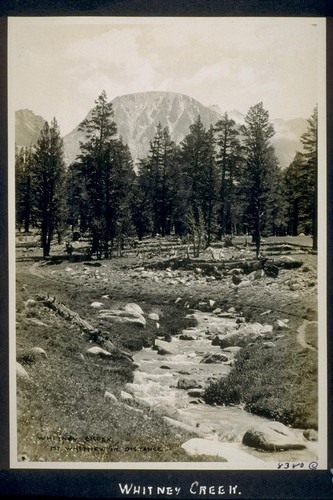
{"points": [[81, 376], [172, 377]]}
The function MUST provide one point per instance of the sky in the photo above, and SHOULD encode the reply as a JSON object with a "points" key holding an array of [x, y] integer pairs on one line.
{"points": [[59, 66]]}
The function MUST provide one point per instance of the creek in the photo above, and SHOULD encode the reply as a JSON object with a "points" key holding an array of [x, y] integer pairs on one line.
{"points": [[172, 376]]}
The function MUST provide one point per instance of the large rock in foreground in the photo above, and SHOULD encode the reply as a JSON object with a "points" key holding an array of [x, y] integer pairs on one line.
{"points": [[229, 451], [273, 436], [243, 336]]}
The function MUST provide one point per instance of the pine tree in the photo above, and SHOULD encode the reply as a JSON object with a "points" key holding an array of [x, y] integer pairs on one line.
{"points": [[106, 168], [259, 164], [301, 185], [157, 182], [310, 144], [24, 194], [48, 175], [198, 154], [228, 159]]}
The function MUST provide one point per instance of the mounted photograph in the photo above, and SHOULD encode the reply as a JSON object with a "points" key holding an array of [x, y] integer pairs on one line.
{"points": [[167, 242]]}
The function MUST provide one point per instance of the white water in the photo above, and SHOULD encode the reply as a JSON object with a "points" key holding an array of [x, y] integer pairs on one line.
{"points": [[155, 383]]}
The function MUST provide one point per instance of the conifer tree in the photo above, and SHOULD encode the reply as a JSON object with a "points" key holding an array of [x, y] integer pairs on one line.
{"points": [[48, 174], [259, 163], [105, 165], [228, 159]]}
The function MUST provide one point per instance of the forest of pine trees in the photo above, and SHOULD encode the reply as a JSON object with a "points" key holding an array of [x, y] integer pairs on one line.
{"points": [[220, 181]]}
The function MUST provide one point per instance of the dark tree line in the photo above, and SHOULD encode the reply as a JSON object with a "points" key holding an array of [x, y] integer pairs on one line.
{"points": [[219, 181]]}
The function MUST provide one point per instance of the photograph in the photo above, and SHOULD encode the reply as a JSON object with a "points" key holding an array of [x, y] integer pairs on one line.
{"points": [[167, 245]]}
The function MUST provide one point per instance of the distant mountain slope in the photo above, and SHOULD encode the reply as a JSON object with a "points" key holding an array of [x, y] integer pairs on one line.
{"points": [[27, 127], [137, 116]]}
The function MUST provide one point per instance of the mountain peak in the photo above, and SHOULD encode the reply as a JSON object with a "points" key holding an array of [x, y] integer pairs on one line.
{"points": [[28, 126]]}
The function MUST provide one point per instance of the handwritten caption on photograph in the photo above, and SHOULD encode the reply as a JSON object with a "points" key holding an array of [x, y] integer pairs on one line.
{"points": [[195, 489]]}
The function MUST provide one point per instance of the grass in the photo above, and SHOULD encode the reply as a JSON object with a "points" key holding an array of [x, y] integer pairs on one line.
{"points": [[278, 383], [62, 413]]}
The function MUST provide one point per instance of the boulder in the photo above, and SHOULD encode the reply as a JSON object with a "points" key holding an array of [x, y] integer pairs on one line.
{"points": [[21, 373], [307, 269], [125, 396], [109, 346], [244, 284], [230, 451], [272, 436], [196, 393], [133, 308], [96, 305], [268, 345], [154, 317], [256, 275], [188, 383], [267, 329], [166, 409], [281, 325], [109, 397], [38, 351], [214, 358], [310, 435], [185, 336], [119, 316], [243, 336], [30, 303], [98, 352]]}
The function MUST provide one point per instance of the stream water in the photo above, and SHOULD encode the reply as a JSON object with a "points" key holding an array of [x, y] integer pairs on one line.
{"points": [[173, 382]]}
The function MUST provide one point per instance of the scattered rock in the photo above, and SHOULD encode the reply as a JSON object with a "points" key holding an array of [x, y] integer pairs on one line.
{"points": [[133, 308], [308, 269], [267, 329], [135, 410], [281, 325], [244, 284], [154, 317], [230, 451], [30, 303], [272, 436], [242, 336], [214, 358], [108, 396], [256, 275], [125, 396], [295, 286], [38, 351], [178, 300], [211, 303], [217, 310], [196, 393], [185, 336], [109, 346], [188, 383], [96, 305], [268, 345], [120, 316], [21, 373], [98, 351], [236, 279], [310, 435]]}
